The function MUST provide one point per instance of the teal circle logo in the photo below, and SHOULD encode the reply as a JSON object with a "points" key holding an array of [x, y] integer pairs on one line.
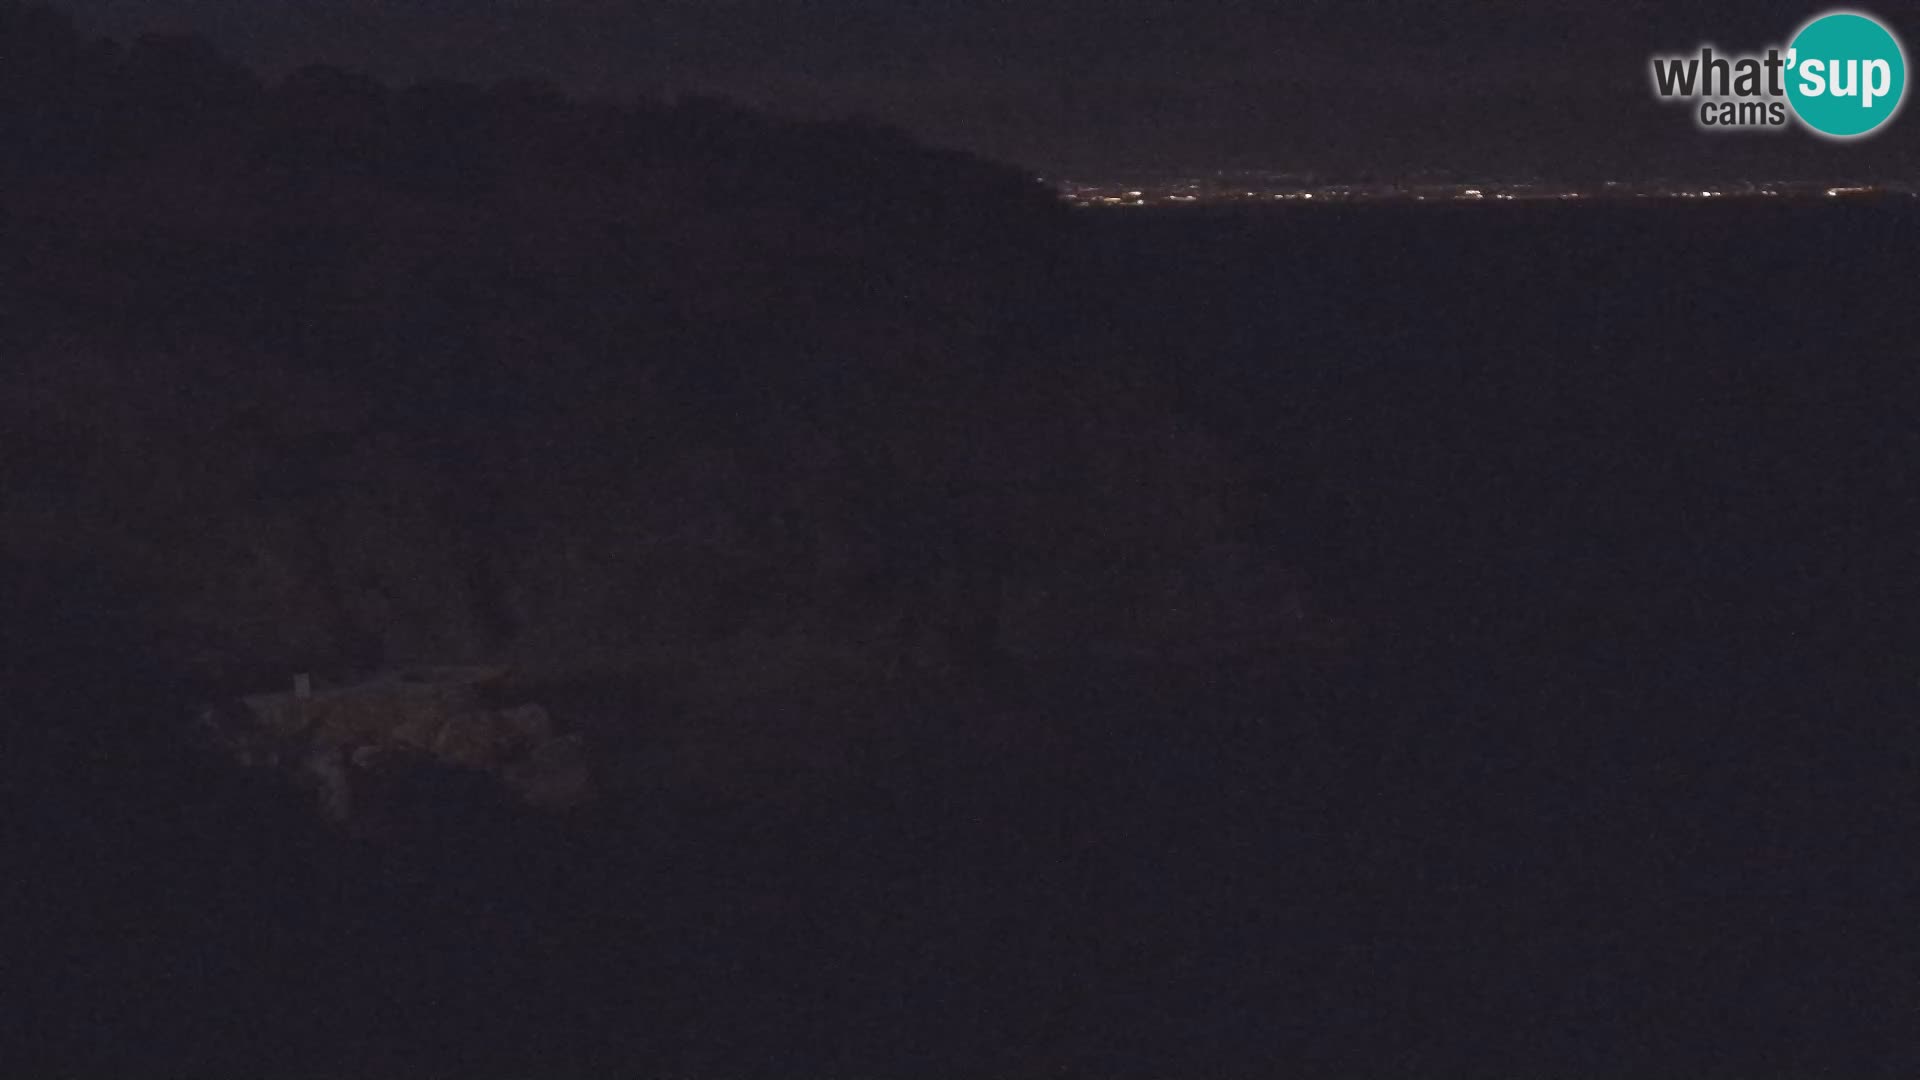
{"points": [[1847, 74]]}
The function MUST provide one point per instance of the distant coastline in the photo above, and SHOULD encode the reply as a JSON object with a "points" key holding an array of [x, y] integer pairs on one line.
{"points": [[1243, 191]]}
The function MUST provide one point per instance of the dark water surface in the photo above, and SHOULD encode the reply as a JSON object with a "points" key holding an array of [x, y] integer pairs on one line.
{"points": [[1617, 772]]}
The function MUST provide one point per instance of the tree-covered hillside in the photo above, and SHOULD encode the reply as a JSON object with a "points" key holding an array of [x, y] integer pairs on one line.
{"points": [[330, 375]]}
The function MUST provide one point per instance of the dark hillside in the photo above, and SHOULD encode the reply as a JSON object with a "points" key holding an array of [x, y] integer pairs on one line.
{"points": [[778, 457], [447, 372]]}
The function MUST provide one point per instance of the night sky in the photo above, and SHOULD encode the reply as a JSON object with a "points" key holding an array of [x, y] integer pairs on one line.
{"points": [[1091, 87]]}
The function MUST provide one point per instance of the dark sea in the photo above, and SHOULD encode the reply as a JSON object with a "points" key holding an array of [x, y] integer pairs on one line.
{"points": [[1617, 773], [1627, 496]]}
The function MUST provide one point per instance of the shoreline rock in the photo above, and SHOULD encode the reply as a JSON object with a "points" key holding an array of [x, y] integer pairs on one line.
{"points": [[380, 736]]}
